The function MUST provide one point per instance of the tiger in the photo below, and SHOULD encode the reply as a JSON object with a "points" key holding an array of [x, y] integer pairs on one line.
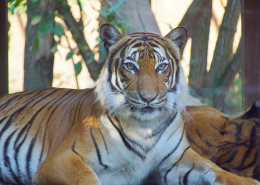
{"points": [[231, 142], [125, 130]]}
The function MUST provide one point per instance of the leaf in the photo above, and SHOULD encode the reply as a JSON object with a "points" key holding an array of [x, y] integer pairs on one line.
{"points": [[54, 49], [35, 1], [69, 55], [36, 45], [18, 2], [107, 11], [45, 26], [78, 68], [102, 51], [36, 19], [58, 29]]}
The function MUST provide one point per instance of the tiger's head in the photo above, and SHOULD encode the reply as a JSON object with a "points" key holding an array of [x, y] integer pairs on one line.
{"points": [[142, 77]]}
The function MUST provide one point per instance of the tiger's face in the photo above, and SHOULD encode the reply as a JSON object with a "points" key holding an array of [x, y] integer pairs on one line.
{"points": [[142, 77]]}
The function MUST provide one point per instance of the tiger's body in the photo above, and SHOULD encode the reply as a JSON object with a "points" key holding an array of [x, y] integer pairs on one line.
{"points": [[128, 128], [233, 143]]}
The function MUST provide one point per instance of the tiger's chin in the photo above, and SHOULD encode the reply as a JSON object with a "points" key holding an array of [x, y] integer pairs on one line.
{"points": [[145, 114]]}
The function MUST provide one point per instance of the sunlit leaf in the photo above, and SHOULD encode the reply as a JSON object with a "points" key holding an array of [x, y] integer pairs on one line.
{"points": [[78, 68], [36, 19], [69, 55], [58, 29]]}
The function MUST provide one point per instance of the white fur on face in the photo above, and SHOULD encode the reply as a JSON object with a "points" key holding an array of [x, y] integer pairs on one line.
{"points": [[116, 101]]}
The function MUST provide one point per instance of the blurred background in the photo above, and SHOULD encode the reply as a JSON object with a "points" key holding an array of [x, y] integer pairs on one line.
{"points": [[55, 43]]}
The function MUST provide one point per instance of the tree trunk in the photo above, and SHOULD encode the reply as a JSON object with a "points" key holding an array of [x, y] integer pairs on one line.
{"points": [[227, 79], [250, 52], [199, 49], [38, 67], [222, 55], [139, 15], [224, 46], [4, 48], [193, 14]]}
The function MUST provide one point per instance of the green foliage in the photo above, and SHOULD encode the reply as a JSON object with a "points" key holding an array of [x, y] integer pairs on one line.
{"points": [[105, 12], [78, 68], [115, 20], [112, 18], [36, 19], [17, 6], [70, 55], [52, 25]]}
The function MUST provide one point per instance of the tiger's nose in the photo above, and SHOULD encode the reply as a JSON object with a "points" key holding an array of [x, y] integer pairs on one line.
{"points": [[147, 98]]}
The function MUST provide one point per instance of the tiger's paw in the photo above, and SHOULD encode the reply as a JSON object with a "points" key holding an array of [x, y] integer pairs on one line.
{"points": [[232, 179]]}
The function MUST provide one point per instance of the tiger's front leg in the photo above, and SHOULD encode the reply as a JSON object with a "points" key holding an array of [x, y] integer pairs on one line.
{"points": [[192, 169], [66, 169]]}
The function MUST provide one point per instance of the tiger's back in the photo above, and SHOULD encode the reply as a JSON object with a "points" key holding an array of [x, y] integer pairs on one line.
{"points": [[32, 124]]}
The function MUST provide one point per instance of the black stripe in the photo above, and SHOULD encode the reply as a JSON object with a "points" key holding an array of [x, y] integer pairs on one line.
{"points": [[153, 45], [116, 69], [238, 131], [29, 155], [73, 150], [176, 60], [34, 116], [256, 173], [26, 129], [103, 139], [69, 105], [97, 150], [137, 45], [190, 140], [124, 140], [185, 178], [168, 171], [79, 108], [49, 117], [4, 105], [242, 167], [164, 126], [125, 136], [231, 157], [8, 123], [175, 148], [6, 158], [111, 60]]}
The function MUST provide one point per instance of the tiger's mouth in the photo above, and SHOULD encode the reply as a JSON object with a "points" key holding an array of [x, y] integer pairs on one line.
{"points": [[145, 110]]}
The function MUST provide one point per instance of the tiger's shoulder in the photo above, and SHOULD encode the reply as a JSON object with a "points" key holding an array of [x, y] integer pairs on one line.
{"points": [[231, 142]]}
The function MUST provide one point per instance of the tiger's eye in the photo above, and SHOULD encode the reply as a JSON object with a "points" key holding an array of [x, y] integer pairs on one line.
{"points": [[130, 66], [162, 67]]}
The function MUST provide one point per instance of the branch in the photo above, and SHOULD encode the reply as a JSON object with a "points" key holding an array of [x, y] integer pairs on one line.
{"points": [[224, 46], [76, 29], [227, 79], [193, 14], [199, 49]]}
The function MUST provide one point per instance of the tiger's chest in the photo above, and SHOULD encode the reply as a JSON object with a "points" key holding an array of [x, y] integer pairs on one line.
{"points": [[124, 161]]}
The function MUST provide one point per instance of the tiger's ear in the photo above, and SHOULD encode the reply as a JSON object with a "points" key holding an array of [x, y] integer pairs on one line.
{"points": [[110, 35], [178, 35]]}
